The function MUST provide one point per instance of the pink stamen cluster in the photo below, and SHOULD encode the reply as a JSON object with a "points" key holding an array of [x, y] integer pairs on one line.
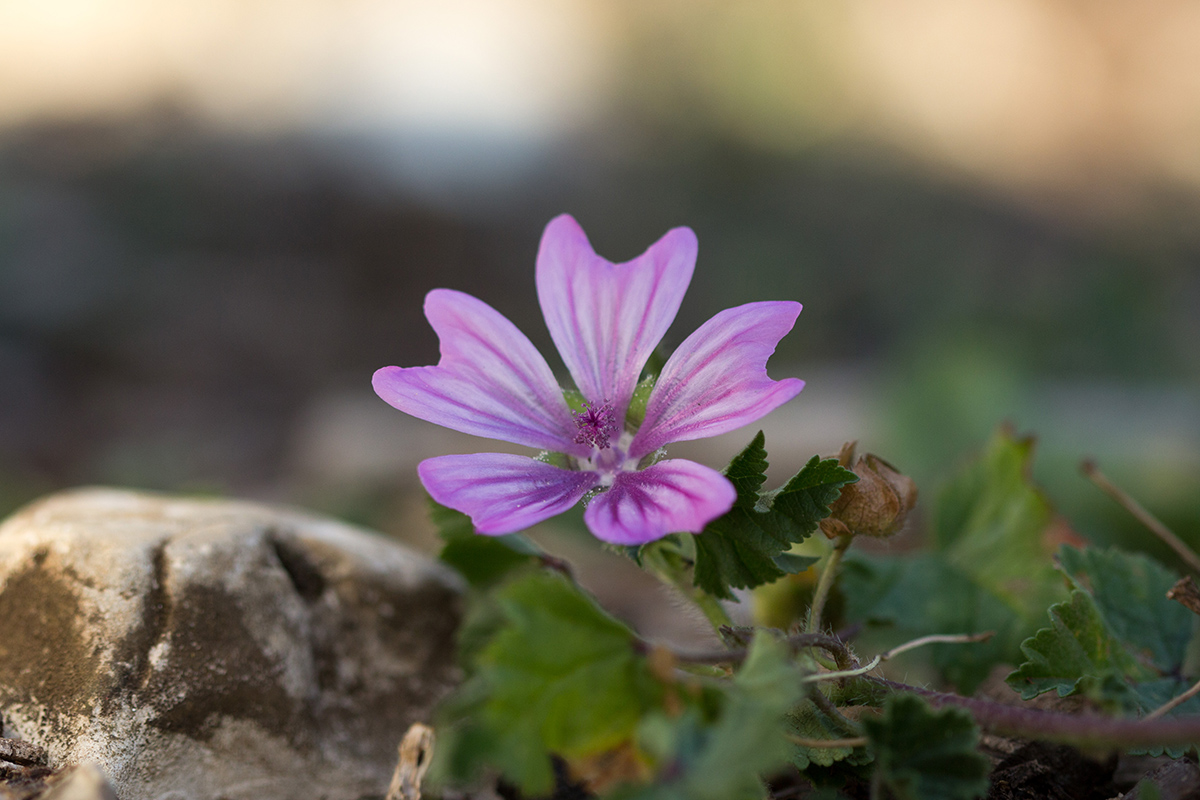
{"points": [[596, 425]]}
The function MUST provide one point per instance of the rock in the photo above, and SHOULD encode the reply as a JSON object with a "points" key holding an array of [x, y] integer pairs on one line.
{"points": [[201, 649]]}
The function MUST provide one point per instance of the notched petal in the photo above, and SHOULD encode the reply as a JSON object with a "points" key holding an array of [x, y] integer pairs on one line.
{"points": [[491, 381], [716, 381], [605, 318]]}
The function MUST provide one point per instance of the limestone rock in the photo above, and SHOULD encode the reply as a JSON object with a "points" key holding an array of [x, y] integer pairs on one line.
{"points": [[202, 649]]}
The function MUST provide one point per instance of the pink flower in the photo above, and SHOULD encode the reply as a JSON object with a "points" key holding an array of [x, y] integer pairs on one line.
{"points": [[605, 319]]}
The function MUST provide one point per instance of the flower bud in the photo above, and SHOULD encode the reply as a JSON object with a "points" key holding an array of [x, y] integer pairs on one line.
{"points": [[876, 505]]}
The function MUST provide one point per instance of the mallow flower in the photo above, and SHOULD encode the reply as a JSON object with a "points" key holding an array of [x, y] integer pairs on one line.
{"points": [[605, 319]]}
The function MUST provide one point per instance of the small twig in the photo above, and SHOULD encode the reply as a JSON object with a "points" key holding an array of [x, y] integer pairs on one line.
{"points": [[825, 582], [19, 751], [416, 751], [937, 638], [829, 744], [1143, 516], [845, 673], [1171, 704]]}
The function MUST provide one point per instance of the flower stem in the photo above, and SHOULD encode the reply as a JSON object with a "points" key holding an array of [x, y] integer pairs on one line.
{"points": [[825, 584], [671, 570], [709, 606]]}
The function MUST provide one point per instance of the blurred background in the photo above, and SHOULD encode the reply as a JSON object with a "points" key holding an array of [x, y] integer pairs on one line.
{"points": [[219, 217]]}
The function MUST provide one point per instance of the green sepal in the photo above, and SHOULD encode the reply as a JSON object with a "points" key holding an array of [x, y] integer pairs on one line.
{"points": [[575, 400], [636, 412]]}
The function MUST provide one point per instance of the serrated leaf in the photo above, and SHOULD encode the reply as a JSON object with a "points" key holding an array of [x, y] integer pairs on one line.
{"points": [[1077, 654], [739, 549], [809, 722], [922, 754], [482, 560], [561, 677], [1130, 591], [1119, 640]]}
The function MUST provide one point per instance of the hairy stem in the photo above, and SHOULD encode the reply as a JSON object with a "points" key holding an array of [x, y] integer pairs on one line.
{"points": [[672, 572], [1083, 730], [825, 584], [841, 653]]}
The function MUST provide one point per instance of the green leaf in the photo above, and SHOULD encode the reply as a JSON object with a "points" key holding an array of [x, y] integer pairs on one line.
{"points": [[561, 677], [990, 522], [923, 594], [741, 548], [1130, 591], [1119, 640], [725, 759], [482, 560], [806, 720], [1077, 654], [922, 754]]}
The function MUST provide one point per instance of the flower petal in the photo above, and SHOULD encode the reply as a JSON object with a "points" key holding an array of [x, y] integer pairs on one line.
{"points": [[503, 493], [607, 318], [491, 381], [668, 497], [717, 380]]}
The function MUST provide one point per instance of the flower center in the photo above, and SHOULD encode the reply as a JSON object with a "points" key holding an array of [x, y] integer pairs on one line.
{"points": [[596, 424]]}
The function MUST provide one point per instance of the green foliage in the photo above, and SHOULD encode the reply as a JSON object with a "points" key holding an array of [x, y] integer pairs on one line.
{"points": [[1118, 640], [481, 560], [747, 547], [988, 569], [807, 721], [1130, 592], [561, 676], [723, 759], [922, 754], [920, 595], [1076, 654], [990, 523]]}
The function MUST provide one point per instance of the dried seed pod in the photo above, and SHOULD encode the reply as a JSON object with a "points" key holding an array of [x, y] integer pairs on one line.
{"points": [[876, 505]]}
